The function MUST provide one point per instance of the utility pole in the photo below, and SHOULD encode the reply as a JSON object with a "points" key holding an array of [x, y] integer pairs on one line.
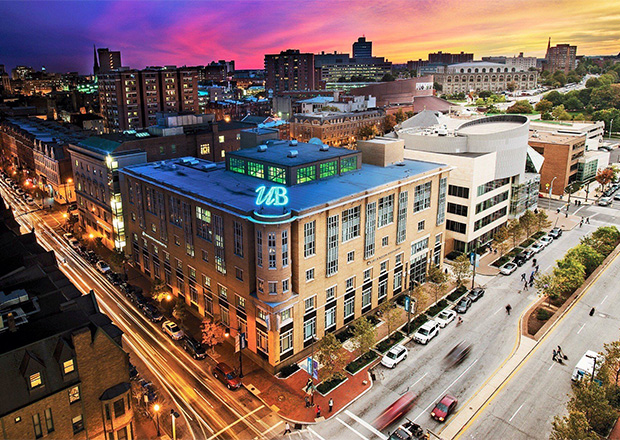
{"points": [[472, 259], [408, 299]]}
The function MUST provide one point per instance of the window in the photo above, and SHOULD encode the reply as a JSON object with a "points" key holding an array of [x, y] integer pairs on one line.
{"points": [[350, 223], [223, 154], [259, 248], [273, 288], [203, 224], [238, 274], [456, 209], [262, 341], [284, 248], [348, 164], [236, 165], [493, 184], [384, 267], [78, 424], [173, 148], [220, 263], [422, 197], [441, 202], [385, 241], [306, 174], [386, 210], [36, 422], [382, 288], [256, 170], [221, 139], [286, 315], [330, 293], [310, 328], [349, 307], [479, 224], [260, 285], [286, 341], [458, 191], [419, 246], [350, 256], [309, 238], [205, 255], [121, 434], [371, 220], [456, 226], [367, 274], [119, 408], [68, 366], [330, 317], [309, 304], [332, 245], [49, 420], [328, 169], [205, 149], [276, 174], [36, 380], [366, 296], [310, 274], [285, 286], [225, 315], [238, 230], [271, 245], [401, 225], [489, 203], [421, 225], [74, 394]]}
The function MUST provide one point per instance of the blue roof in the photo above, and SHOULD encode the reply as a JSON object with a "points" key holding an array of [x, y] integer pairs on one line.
{"points": [[211, 183], [277, 151]]}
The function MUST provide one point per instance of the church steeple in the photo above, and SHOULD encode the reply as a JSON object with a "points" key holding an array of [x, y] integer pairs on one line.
{"points": [[95, 63]]}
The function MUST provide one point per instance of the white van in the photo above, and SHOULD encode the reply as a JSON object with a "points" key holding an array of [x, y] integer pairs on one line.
{"points": [[586, 365]]}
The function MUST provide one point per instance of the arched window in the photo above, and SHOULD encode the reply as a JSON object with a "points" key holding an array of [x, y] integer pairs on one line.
{"points": [[478, 78], [486, 78], [513, 70], [501, 77], [493, 78], [468, 70], [476, 70], [505, 69], [462, 70], [531, 77], [491, 70], [449, 79], [484, 70]]}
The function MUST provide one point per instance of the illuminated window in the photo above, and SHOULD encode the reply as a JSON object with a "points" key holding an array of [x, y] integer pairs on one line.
{"points": [[348, 164], [237, 165], [256, 170], [223, 154], [306, 174], [205, 149], [221, 139], [74, 394], [276, 174], [68, 366], [328, 169], [35, 380]]}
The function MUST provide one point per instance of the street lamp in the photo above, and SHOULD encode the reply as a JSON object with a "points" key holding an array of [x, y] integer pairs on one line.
{"points": [[156, 407], [593, 366], [550, 191], [173, 416], [239, 346], [611, 124]]}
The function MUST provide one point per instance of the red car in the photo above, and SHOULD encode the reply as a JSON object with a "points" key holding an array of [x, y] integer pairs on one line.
{"points": [[395, 411], [227, 376], [444, 408]]}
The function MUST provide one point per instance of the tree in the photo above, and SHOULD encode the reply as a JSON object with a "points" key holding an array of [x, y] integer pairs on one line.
{"points": [[437, 86], [500, 240], [544, 106], [159, 290], [514, 231], [603, 240], [586, 255], [555, 97], [569, 275], [180, 310], [367, 132], [438, 280], [400, 116], [546, 285], [559, 77], [484, 94], [610, 370], [389, 314], [590, 400], [511, 86], [118, 258], [604, 176], [528, 222], [560, 113], [593, 83], [542, 220], [521, 106], [606, 97], [364, 336], [388, 123], [212, 333], [461, 268], [332, 357], [573, 103], [573, 427]]}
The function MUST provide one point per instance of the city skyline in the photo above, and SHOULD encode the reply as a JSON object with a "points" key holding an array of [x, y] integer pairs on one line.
{"points": [[194, 33]]}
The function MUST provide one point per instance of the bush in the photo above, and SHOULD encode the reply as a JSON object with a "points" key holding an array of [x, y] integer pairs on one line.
{"points": [[417, 322], [501, 261], [543, 314], [326, 387], [437, 307], [288, 370], [361, 362], [345, 334], [458, 292], [401, 300], [539, 234], [388, 343], [527, 242], [516, 251], [373, 319]]}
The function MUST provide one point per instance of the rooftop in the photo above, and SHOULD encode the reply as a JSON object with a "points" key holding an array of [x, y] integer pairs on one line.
{"points": [[277, 153], [554, 138]]}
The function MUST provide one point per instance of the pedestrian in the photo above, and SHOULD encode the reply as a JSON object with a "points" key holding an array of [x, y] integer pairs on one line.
{"points": [[287, 428], [560, 351], [581, 222], [566, 214], [532, 282], [508, 308], [318, 411], [307, 402], [495, 251], [308, 384], [525, 286], [537, 267], [587, 220], [592, 312], [331, 404], [558, 210], [555, 355], [523, 275]]}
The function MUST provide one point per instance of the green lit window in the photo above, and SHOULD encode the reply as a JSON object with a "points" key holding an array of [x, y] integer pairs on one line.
{"points": [[306, 174], [256, 170], [276, 174], [348, 164], [237, 165], [328, 169]]}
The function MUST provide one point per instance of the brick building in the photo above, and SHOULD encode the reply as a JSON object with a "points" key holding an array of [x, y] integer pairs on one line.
{"points": [[64, 372], [290, 70], [334, 238], [561, 57], [482, 75]]}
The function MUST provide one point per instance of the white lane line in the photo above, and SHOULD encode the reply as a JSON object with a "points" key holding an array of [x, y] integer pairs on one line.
{"points": [[366, 425], [582, 326], [226, 428], [416, 382], [513, 416], [545, 269], [313, 432], [203, 398], [552, 364], [497, 311], [604, 299], [186, 414], [273, 427], [444, 391], [352, 429]]}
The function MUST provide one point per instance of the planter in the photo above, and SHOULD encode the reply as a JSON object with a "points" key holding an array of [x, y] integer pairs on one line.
{"points": [[326, 387], [458, 292], [361, 362], [288, 371], [388, 343]]}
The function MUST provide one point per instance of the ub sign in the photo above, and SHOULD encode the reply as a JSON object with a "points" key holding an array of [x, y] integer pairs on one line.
{"points": [[274, 196]]}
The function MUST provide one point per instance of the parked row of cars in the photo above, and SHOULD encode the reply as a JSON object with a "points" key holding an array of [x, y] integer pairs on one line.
{"points": [[20, 192], [529, 253], [607, 200]]}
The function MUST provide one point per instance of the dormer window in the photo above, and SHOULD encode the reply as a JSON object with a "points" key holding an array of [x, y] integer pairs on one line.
{"points": [[68, 366], [36, 380]]}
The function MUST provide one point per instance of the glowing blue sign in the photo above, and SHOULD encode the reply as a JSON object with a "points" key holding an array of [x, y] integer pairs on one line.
{"points": [[275, 196]]}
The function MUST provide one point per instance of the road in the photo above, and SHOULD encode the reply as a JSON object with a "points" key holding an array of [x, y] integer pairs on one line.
{"points": [[208, 409]]}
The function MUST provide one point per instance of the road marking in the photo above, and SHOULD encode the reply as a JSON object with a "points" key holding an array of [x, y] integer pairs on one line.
{"points": [[513, 416], [366, 425], [498, 310], [352, 429], [545, 269], [315, 433], [552, 364], [604, 299], [273, 427], [226, 428], [444, 391], [203, 398], [582, 326], [416, 382]]}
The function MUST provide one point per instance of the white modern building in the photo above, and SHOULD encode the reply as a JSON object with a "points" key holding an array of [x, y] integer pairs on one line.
{"points": [[592, 130]]}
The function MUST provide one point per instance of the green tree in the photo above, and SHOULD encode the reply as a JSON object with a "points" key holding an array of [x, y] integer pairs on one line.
{"points": [[542, 220], [515, 230], [180, 310], [521, 106], [461, 268], [593, 83], [555, 97], [367, 132], [364, 336], [437, 86], [332, 357], [388, 77], [212, 333], [500, 240], [438, 280], [546, 285], [573, 103], [528, 222], [605, 97], [511, 86], [484, 94], [544, 106], [390, 314], [606, 116], [400, 116], [159, 290], [575, 426], [558, 76], [590, 399], [569, 275], [560, 113], [610, 370], [410, 114], [586, 255], [388, 123], [603, 240]]}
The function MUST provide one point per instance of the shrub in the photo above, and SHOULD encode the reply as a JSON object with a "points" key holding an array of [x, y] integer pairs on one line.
{"points": [[437, 307], [539, 234], [361, 362], [458, 292], [326, 386], [501, 261], [288, 370], [543, 314], [388, 343], [527, 243], [373, 319], [345, 334], [516, 251], [452, 255]]}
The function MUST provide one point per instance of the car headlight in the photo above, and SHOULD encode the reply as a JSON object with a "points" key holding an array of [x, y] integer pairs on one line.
{"points": [[441, 419], [433, 414]]}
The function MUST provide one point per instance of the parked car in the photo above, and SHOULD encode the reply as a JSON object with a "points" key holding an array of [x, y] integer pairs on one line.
{"points": [[227, 376], [194, 348], [555, 233], [463, 305], [68, 236], [520, 259], [172, 329], [617, 197], [29, 200], [393, 357], [528, 253], [74, 243], [508, 268], [72, 207], [20, 191], [102, 266], [408, 431], [427, 332], [152, 312], [545, 240], [445, 317], [114, 278], [605, 201], [476, 294], [537, 247], [444, 408]]}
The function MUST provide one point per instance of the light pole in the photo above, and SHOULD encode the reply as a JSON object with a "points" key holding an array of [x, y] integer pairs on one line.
{"points": [[611, 124], [593, 368], [173, 416], [551, 190], [241, 341], [156, 407]]}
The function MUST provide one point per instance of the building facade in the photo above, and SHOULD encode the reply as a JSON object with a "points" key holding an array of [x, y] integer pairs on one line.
{"points": [[362, 48], [290, 70], [450, 58], [562, 57], [288, 241], [108, 60], [478, 76]]}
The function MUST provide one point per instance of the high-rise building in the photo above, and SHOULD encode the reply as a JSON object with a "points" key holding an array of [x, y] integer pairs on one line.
{"points": [[449, 58], [290, 70], [108, 60], [334, 68], [561, 57], [362, 48]]}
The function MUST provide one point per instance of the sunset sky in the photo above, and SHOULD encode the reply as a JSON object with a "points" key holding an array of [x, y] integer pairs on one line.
{"points": [[60, 35]]}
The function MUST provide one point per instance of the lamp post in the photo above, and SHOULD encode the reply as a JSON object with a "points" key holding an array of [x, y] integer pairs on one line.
{"points": [[593, 368], [156, 407], [240, 340], [551, 190], [173, 416], [611, 124]]}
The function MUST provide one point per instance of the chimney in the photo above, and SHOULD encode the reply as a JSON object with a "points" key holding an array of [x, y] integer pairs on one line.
{"points": [[11, 322]]}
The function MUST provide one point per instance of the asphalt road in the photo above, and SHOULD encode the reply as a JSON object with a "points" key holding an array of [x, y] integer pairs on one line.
{"points": [[208, 409]]}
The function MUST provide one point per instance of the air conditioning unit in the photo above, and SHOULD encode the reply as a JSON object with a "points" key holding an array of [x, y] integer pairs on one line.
{"points": [[262, 148], [324, 147], [292, 153]]}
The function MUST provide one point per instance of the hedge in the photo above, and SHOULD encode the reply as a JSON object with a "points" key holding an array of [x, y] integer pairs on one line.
{"points": [[388, 343], [361, 362], [539, 234], [501, 261], [417, 322], [458, 292], [345, 334], [437, 307], [326, 387], [288, 370], [527, 242]]}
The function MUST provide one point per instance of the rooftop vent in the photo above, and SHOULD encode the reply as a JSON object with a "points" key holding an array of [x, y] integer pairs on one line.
{"points": [[293, 142], [324, 147], [292, 153], [400, 164], [262, 148]]}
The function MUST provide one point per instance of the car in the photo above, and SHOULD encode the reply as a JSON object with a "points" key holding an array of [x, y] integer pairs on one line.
{"points": [[68, 236], [102, 266], [74, 243], [617, 197], [528, 253], [520, 259], [393, 357], [458, 354], [555, 233], [172, 329], [604, 148], [475, 294], [20, 191], [545, 240], [408, 431], [395, 411], [114, 278], [194, 348], [508, 268], [463, 305], [226, 375], [537, 247], [29, 200], [427, 332], [445, 317], [605, 201], [444, 408], [72, 207], [152, 312]]}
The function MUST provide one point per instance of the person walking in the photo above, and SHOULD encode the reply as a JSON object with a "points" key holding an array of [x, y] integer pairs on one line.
{"points": [[537, 268], [587, 220], [560, 352], [308, 385], [331, 404], [318, 411], [287, 428], [525, 287], [307, 402], [555, 355], [523, 275], [508, 308], [581, 222]]}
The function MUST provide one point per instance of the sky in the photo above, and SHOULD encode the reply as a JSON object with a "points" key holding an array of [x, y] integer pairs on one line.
{"points": [[60, 34]]}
